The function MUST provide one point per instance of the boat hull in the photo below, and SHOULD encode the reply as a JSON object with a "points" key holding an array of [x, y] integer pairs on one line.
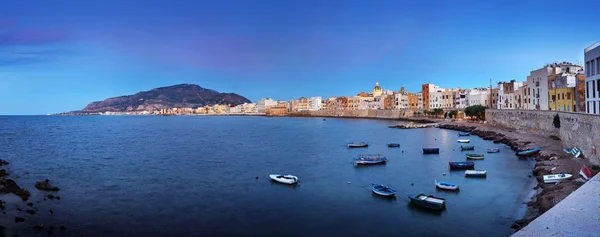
{"points": [[442, 185], [493, 150], [426, 204], [383, 190], [291, 179], [467, 148], [463, 141], [361, 162], [431, 150], [555, 178], [586, 172], [393, 145], [474, 156], [464, 134], [476, 173], [357, 146], [461, 165], [527, 153]]}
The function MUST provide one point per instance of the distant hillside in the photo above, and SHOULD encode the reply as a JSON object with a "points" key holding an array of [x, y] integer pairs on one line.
{"points": [[180, 96]]}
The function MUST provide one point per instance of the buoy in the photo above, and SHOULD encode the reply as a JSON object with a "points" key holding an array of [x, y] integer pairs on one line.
{"points": [[256, 177], [348, 182], [412, 184], [444, 174]]}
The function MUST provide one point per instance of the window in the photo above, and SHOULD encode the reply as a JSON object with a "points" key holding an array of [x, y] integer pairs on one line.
{"points": [[568, 95], [587, 73], [553, 98], [593, 69], [593, 90], [598, 82], [568, 108], [594, 102], [563, 96], [587, 93], [587, 108], [598, 65]]}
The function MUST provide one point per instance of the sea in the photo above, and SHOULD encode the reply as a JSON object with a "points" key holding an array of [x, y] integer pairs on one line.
{"points": [[209, 176]]}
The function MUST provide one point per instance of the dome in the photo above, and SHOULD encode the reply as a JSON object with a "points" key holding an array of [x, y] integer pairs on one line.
{"points": [[377, 91]]}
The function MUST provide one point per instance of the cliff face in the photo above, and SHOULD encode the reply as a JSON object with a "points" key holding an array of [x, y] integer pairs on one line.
{"points": [[177, 96]]}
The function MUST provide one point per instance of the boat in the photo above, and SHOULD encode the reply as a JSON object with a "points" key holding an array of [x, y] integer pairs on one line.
{"points": [[393, 144], [428, 201], [431, 150], [358, 145], [475, 173], [445, 185], [528, 152], [462, 165], [474, 156], [284, 178], [568, 150], [369, 159], [493, 150], [586, 172], [467, 148], [554, 178], [464, 134], [576, 152], [464, 140], [383, 190]]}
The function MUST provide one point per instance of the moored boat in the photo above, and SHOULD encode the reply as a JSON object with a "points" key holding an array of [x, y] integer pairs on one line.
{"points": [[464, 134], [464, 140], [383, 190], [576, 152], [369, 159], [554, 178], [445, 185], [461, 165], [474, 156], [528, 152], [358, 145], [467, 148], [493, 150], [393, 144], [586, 172], [431, 150], [475, 173], [428, 201], [284, 178]]}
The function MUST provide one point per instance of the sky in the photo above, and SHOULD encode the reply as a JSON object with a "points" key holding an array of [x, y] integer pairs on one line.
{"points": [[60, 55]]}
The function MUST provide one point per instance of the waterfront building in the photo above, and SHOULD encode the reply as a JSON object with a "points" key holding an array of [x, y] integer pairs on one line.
{"points": [[324, 104], [495, 98], [435, 98], [377, 91], [413, 101], [580, 92], [293, 106], [508, 97], [448, 98], [360, 102], [303, 104], [264, 103], [340, 103], [314, 103], [592, 78], [401, 100], [388, 101], [537, 83], [561, 91], [426, 89], [280, 109], [420, 100], [461, 99], [478, 96]]}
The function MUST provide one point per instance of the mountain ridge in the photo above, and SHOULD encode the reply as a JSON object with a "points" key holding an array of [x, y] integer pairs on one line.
{"points": [[175, 96]]}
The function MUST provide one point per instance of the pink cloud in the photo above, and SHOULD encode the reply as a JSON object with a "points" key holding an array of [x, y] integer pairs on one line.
{"points": [[32, 37]]}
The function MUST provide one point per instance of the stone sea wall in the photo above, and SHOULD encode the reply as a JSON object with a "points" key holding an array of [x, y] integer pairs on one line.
{"points": [[576, 129], [379, 114]]}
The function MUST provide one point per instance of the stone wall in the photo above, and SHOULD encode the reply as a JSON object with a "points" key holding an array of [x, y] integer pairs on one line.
{"points": [[576, 129], [380, 114]]}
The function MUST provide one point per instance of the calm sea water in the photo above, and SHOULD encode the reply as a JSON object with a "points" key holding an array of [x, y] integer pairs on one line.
{"points": [[195, 176]]}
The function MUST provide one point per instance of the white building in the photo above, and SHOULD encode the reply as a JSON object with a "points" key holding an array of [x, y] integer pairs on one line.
{"points": [[508, 96], [420, 100], [249, 108], [264, 103], [592, 78], [400, 101], [537, 83], [461, 99], [435, 99], [236, 110], [478, 96], [314, 103]]}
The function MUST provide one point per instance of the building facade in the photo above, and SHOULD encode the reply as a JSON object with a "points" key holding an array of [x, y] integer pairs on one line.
{"points": [[592, 78], [508, 95], [537, 83], [262, 104], [314, 103], [478, 96], [435, 99], [426, 89]]}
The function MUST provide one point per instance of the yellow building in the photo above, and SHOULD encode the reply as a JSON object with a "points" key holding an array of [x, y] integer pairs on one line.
{"points": [[413, 100], [561, 92]]}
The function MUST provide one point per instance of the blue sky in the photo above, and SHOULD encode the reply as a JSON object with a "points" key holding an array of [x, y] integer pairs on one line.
{"points": [[59, 55]]}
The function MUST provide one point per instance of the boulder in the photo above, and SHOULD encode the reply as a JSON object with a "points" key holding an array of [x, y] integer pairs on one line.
{"points": [[19, 219], [45, 186], [3, 162]]}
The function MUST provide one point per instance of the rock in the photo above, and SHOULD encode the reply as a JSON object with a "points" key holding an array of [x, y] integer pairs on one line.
{"points": [[39, 227], [57, 198], [515, 226], [24, 194], [63, 228], [19, 209], [3, 189], [29, 204], [19, 219], [579, 180], [51, 228], [3, 173], [51, 211], [3, 162], [50, 196], [32, 212], [45, 186]]}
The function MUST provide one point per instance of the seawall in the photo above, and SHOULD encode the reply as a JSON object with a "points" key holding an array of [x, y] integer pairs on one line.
{"points": [[576, 129], [402, 114]]}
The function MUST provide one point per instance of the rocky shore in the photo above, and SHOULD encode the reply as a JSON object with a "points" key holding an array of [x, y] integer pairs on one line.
{"points": [[551, 160], [414, 125], [20, 211]]}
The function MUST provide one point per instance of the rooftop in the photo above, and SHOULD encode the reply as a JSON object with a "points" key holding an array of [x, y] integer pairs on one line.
{"points": [[593, 46]]}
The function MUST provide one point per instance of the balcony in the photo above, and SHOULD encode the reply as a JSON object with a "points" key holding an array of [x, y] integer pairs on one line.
{"points": [[537, 83]]}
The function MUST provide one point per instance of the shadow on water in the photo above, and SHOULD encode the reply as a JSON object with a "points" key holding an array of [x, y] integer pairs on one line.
{"points": [[414, 208], [291, 186], [384, 198], [447, 192]]}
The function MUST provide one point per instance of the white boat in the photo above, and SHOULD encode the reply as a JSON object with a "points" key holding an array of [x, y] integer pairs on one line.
{"points": [[447, 186], [576, 152], [554, 178], [464, 140], [284, 178], [476, 173]]}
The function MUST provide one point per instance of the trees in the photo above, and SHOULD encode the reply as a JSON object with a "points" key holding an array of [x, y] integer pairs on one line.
{"points": [[437, 112], [453, 114], [475, 111]]}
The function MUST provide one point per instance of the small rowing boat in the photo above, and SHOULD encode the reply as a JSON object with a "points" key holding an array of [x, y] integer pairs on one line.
{"points": [[445, 185], [284, 178], [528, 152], [428, 201], [383, 190], [369, 159], [358, 145], [554, 178], [476, 173], [393, 144], [431, 150], [474, 156], [461, 165], [464, 140], [467, 148], [464, 134], [493, 150]]}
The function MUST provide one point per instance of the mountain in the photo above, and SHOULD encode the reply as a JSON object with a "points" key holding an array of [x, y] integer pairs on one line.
{"points": [[177, 96]]}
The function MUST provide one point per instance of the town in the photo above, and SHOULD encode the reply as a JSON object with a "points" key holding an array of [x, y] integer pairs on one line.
{"points": [[560, 86]]}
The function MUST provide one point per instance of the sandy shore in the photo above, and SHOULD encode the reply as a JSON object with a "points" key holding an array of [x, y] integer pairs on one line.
{"points": [[546, 195]]}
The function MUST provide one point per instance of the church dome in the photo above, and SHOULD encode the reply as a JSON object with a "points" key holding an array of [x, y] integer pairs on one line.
{"points": [[377, 91]]}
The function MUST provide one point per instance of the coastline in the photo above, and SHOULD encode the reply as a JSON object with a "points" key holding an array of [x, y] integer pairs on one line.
{"points": [[543, 196]]}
